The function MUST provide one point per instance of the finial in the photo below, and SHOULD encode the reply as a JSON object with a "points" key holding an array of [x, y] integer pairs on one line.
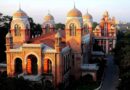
{"points": [[48, 12], [19, 6], [74, 3]]}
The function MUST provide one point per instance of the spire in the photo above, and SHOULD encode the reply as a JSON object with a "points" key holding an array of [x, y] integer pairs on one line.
{"points": [[19, 6], [74, 4], [48, 12], [87, 11]]}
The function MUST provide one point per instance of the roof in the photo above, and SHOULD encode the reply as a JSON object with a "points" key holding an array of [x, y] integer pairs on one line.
{"points": [[8, 35], [48, 17], [74, 13], [48, 39], [20, 14], [87, 16], [89, 67]]}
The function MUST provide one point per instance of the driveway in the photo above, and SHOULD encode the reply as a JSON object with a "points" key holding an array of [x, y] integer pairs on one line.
{"points": [[110, 81]]}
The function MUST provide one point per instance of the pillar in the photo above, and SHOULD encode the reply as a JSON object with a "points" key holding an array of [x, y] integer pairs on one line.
{"points": [[114, 43]]}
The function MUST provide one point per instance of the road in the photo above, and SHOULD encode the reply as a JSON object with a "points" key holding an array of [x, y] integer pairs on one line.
{"points": [[110, 81]]}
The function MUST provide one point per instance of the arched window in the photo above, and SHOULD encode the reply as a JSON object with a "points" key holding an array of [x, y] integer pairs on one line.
{"points": [[86, 28], [17, 30], [47, 68], [47, 28], [72, 29]]}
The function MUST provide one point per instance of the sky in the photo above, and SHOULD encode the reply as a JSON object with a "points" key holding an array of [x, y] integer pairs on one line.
{"points": [[37, 9]]}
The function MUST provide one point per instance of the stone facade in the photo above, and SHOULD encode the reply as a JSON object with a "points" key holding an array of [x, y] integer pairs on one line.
{"points": [[53, 55]]}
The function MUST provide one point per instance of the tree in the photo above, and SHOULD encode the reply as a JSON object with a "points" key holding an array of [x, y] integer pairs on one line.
{"points": [[94, 25], [60, 26], [4, 27]]}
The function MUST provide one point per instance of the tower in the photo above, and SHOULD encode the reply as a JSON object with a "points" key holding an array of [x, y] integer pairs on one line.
{"points": [[58, 39], [59, 61], [73, 29], [20, 27], [87, 22], [74, 34], [49, 24], [9, 41]]}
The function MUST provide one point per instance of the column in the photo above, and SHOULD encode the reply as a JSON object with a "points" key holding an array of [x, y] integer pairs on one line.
{"points": [[114, 43]]}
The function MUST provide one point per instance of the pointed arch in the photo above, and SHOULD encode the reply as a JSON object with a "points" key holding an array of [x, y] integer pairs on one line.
{"points": [[77, 23], [86, 28], [17, 29], [72, 29]]}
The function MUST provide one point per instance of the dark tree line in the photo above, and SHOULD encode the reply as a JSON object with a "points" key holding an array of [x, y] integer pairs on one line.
{"points": [[4, 27], [15, 83], [122, 59]]}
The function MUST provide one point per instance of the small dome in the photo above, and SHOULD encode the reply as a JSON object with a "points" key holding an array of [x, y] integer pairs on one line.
{"points": [[105, 13], [8, 35], [58, 35], [48, 17], [74, 13], [20, 14], [87, 16]]}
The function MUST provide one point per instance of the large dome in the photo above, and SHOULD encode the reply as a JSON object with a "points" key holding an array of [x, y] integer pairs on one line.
{"points": [[74, 13], [48, 17], [20, 14]]}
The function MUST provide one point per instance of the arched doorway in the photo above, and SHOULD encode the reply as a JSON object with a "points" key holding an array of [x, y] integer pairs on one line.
{"points": [[47, 66], [32, 67], [18, 66]]}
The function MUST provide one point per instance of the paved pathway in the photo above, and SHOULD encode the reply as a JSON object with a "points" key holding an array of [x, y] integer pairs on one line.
{"points": [[110, 81]]}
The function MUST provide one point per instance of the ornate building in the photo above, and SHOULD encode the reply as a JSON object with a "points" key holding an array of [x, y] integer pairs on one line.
{"points": [[105, 33], [53, 55]]}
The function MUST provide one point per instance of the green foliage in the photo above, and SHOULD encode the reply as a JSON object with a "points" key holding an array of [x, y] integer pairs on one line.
{"points": [[35, 28], [94, 25], [60, 26], [122, 59]]}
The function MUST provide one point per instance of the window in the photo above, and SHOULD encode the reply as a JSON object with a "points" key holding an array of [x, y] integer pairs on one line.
{"points": [[47, 66], [72, 29], [17, 30], [47, 28], [86, 28]]}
